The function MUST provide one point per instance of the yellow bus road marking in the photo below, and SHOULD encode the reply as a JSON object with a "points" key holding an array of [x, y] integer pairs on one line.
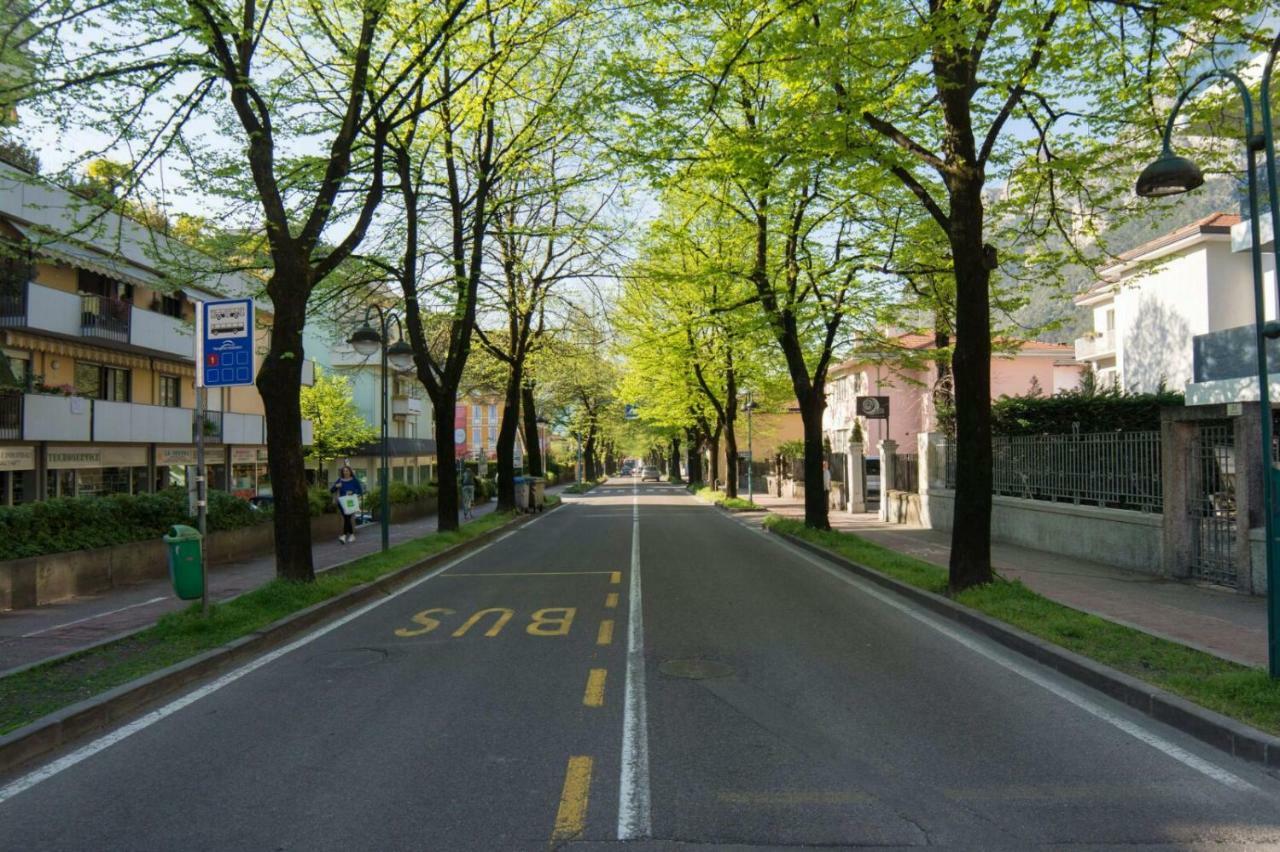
{"points": [[571, 818], [797, 797], [594, 696], [615, 577], [611, 601], [605, 636]]}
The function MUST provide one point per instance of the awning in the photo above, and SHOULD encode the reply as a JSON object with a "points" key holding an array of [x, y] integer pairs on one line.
{"points": [[97, 350], [84, 257]]}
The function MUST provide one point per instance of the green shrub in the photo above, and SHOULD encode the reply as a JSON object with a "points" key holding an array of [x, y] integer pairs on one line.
{"points": [[1088, 409], [320, 501], [227, 512]]}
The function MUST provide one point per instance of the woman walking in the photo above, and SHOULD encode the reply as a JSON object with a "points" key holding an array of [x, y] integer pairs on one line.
{"points": [[347, 491]]}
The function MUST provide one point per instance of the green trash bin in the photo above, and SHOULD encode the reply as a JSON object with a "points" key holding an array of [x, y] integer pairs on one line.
{"points": [[186, 569]]}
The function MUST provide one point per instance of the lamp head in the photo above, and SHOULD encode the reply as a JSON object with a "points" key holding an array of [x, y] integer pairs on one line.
{"points": [[365, 340], [1169, 175], [400, 356]]}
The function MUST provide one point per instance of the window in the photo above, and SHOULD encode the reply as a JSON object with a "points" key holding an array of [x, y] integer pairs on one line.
{"points": [[96, 284], [1111, 320], [19, 366], [170, 392], [98, 382], [171, 306]]}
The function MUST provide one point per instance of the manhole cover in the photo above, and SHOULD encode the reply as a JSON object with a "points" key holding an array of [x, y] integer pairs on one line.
{"points": [[351, 658], [695, 669]]}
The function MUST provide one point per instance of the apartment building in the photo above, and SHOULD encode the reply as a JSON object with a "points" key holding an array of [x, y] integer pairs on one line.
{"points": [[96, 331], [900, 371], [1153, 301]]}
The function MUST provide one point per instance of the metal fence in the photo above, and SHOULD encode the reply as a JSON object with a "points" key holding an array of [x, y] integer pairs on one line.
{"points": [[1117, 470], [906, 472], [10, 413]]}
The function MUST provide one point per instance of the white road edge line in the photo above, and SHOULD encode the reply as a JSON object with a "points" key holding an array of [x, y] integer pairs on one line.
{"points": [[92, 617], [634, 821], [83, 753], [1134, 730]]}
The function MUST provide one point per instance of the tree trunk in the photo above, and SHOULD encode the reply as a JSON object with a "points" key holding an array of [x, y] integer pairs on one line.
{"points": [[694, 445], [714, 443], [589, 457], [815, 496], [507, 440], [447, 505], [730, 436], [532, 440], [971, 371], [675, 460], [280, 384]]}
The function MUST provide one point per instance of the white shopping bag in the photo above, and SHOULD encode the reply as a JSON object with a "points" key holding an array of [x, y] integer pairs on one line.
{"points": [[349, 503]]}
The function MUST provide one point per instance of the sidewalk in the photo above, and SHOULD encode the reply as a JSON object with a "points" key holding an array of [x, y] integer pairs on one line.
{"points": [[30, 635], [1228, 625]]}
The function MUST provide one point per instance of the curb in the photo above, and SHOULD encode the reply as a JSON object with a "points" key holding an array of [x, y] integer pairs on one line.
{"points": [[71, 723], [1215, 729]]}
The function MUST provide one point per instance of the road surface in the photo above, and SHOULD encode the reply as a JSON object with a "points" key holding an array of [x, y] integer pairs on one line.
{"points": [[638, 669]]}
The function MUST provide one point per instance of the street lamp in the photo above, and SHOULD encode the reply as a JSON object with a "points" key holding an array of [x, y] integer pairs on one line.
{"points": [[541, 423], [368, 341], [749, 407], [1171, 174]]}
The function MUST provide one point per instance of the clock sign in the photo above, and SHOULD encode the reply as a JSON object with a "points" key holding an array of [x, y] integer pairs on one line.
{"points": [[873, 407]]}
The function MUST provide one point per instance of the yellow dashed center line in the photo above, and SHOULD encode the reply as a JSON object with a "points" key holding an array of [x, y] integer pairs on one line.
{"points": [[605, 636], [615, 577], [571, 818], [594, 696], [611, 601]]}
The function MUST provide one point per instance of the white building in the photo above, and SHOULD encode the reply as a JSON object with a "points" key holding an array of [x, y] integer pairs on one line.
{"points": [[1155, 299]]}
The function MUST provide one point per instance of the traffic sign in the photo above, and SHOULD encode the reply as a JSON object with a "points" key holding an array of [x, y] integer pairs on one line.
{"points": [[224, 343], [629, 412]]}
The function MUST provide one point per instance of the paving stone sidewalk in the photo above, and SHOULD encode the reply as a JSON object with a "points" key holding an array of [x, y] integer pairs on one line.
{"points": [[30, 635], [1229, 625]]}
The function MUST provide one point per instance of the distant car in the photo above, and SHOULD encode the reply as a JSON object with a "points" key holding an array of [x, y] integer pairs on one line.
{"points": [[650, 472], [871, 465], [262, 501]]}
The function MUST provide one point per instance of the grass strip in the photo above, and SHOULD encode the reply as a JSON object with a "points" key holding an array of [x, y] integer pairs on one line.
{"points": [[28, 695], [719, 498], [584, 486], [1241, 692]]}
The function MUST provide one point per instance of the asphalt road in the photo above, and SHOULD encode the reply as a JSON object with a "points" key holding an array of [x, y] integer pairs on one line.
{"points": [[514, 700]]}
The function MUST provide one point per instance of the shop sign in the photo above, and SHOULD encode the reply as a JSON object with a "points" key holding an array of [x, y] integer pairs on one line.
{"points": [[71, 458], [17, 458], [175, 456], [248, 455]]}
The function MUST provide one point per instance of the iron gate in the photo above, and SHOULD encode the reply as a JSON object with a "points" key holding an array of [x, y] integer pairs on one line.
{"points": [[1211, 496]]}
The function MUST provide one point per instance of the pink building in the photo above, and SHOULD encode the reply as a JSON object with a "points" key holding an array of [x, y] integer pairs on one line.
{"points": [[904, 373]]}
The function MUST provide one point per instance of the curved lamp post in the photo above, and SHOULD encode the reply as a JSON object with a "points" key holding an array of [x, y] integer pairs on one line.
{"points": [[1171, 174], [368, 341]]}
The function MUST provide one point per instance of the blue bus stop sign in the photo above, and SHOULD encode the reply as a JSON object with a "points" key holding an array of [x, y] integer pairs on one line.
{"points": [[224, 343]]}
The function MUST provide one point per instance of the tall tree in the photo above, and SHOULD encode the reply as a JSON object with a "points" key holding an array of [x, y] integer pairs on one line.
{"points": [[298, 97]]}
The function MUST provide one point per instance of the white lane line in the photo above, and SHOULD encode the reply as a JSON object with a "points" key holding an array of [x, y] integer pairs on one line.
{"points": [[1134, 730], [83, 753], [633, 787], [92, 617]]}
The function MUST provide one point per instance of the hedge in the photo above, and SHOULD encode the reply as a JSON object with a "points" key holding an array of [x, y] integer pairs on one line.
{"points": [[82, 523], [1083, 410]]}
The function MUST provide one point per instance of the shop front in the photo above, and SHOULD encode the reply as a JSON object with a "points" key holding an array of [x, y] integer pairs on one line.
{"points": [[250, 475], [88, 471], [172, 464], [17, 475]]}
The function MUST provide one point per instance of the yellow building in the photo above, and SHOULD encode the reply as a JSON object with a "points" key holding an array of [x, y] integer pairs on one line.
{"points": [[96, 332]]}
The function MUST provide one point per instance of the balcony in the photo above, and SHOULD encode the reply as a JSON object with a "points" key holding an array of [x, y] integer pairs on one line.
{"points": [[405, 406], [56, 418], [137, 423], [102, 316], [162, 333], [1099, 344]]}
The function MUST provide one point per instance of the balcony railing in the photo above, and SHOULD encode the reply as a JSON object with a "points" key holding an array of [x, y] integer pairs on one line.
{"points": [[212, 427], [101, 316], [1097, 345], [13, 306], [10, 414]]}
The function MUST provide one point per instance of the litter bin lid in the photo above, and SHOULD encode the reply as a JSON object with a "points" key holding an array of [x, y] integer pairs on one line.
{"points": [[182, 532], [520, 479]]}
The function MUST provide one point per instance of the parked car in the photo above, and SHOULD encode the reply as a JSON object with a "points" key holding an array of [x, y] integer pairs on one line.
{"points": [[262, 501], [650, 472], [871, 467]]}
